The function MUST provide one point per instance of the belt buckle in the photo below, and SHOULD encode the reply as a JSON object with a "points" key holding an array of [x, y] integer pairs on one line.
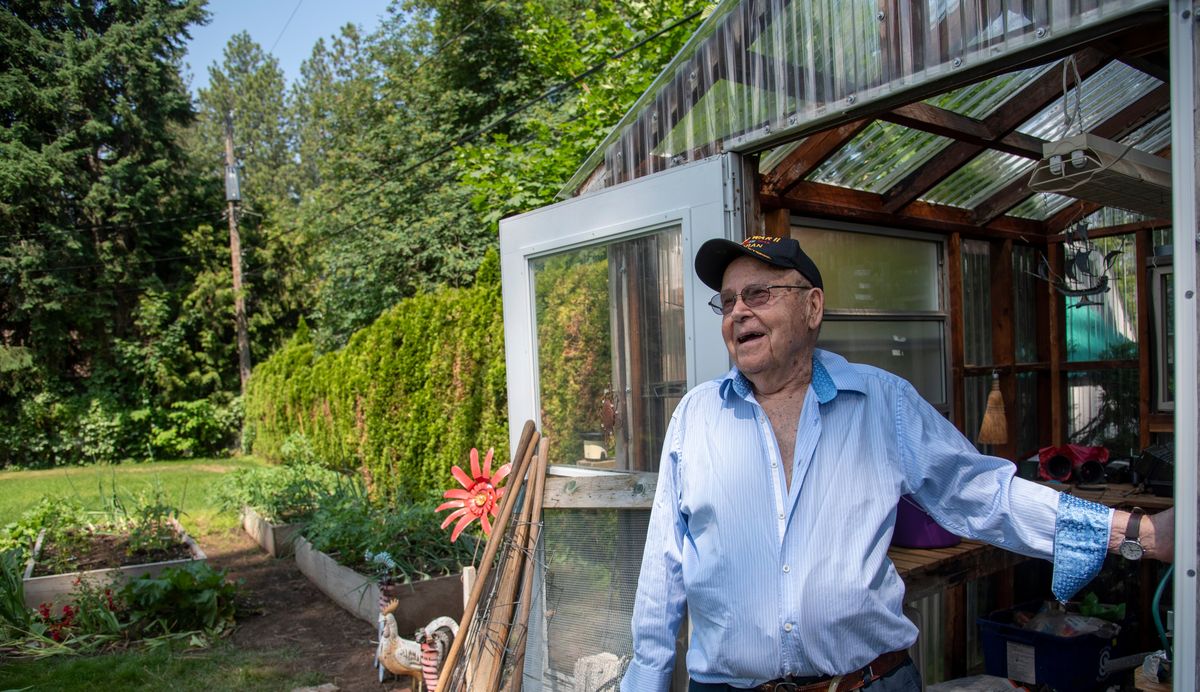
{"points": [[787, 686]]}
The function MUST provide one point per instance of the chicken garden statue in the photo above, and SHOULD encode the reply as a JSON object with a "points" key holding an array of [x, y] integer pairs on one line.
{"points": [[420, 660]]}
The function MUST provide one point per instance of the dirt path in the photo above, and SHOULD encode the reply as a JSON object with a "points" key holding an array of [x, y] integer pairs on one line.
{"points": [[296, 619]]}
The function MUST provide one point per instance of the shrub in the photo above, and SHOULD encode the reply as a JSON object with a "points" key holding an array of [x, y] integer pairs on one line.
{"points": [[403, 401], [281, 494]]}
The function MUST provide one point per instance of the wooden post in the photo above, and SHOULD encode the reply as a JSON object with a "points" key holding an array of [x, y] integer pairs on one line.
{"points": [[1144, 318], [1058, 389], [1004, 340], [778, 223], [958, 355]]}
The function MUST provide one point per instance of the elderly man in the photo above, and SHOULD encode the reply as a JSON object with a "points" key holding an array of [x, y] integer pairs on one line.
{"points": [[777, 493]]}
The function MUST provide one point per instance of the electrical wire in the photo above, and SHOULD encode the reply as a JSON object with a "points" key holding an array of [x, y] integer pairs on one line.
{"points": [[99, 227], [462, 139], [286, 25], [1162, 633]]}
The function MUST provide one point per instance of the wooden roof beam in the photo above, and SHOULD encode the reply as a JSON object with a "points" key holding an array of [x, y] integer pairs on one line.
{"points": [[1018, 108], [831, 201], [1120, 125], [809, 155], [947, 123]]}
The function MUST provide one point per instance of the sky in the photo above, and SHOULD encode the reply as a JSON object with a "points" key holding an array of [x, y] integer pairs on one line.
{"points": [[267, 22]]}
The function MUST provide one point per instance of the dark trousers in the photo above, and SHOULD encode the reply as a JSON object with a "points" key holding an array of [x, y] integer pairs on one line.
{"points": [[906, 678]]}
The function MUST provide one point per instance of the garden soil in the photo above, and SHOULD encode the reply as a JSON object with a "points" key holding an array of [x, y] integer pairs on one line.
{"points": [[289, 615]]}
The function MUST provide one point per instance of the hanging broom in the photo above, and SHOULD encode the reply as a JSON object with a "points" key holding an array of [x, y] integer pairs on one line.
{"points": [[994, 430]]}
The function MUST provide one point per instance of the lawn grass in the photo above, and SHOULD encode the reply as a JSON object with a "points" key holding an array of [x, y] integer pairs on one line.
{"points": [[186, 483], [222, 667]]}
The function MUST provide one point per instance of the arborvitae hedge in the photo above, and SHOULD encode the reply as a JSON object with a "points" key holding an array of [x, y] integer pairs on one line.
{"points": [[405, 399]]}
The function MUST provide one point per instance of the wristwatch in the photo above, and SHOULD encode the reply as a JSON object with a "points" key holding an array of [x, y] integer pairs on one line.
{"points": [[1131, 548]]}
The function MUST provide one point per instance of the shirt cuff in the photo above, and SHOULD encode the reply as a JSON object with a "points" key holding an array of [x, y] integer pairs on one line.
{"points": [[639, 678], [1080, 544]]}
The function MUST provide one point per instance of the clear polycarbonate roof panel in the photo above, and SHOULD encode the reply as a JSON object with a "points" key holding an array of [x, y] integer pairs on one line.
{"points": [[878, 157], [1104, 94], [806, 64], [981, 99], [1113, 87], [1041, 206], [1152, 137], [982, 177]]}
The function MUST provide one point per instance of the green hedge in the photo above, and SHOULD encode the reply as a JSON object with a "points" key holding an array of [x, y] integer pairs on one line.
{"points": [[405, 399]]}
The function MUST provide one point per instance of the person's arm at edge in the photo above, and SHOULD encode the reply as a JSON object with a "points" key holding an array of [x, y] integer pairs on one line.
{"points": [[659, 606], [1156, 534]]}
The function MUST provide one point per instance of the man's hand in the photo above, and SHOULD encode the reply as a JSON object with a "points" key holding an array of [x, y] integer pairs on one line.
{"points": [[1156, 534]]}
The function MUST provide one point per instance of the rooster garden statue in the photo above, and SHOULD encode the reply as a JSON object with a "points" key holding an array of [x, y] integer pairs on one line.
{"points": [[419, 660]]}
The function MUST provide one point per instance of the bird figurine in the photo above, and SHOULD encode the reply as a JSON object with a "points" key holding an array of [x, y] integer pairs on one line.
{"points": [[415, 660], [435, 641]]}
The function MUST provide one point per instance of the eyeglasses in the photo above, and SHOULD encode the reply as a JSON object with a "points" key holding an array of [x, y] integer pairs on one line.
{"points": [[754, 295]]}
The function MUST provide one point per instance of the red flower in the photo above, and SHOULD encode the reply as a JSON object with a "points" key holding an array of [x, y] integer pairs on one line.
{"points": [[478, 497]]}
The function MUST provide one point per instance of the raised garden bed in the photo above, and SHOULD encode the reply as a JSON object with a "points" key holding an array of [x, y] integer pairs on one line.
{"points": [[102, 561], [276, 539], [420, 602]]}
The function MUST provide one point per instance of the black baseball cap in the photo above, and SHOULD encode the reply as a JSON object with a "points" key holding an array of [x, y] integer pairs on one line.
{"points": [[715, 255]]}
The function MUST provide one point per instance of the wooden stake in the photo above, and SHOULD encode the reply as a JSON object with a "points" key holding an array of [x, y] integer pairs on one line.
{"points": [[535, 529], [493, 638], [521, 458]]}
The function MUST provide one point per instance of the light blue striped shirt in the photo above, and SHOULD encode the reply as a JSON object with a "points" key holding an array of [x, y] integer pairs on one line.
{"points": [[781, 582]]}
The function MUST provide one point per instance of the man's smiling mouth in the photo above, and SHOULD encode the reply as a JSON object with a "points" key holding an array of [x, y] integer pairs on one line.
{"points": [[748, 336]]}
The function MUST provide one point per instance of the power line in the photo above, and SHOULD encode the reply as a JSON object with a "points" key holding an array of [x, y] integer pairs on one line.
{"points": [[286, 25], [100, 227], [596, 67], [100, 265]]}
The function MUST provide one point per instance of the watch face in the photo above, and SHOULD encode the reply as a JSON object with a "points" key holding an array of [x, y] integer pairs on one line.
{"points": [[1131, 550]]}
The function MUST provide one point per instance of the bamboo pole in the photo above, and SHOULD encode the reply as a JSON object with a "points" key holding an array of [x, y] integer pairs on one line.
{"points": [[535, 529], [493, 637], [521, 458]]}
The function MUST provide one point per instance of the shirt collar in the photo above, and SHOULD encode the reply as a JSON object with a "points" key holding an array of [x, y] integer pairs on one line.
{"points": [[831, 374]]}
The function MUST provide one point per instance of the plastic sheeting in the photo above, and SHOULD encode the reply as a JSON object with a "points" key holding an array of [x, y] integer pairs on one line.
{"points": [[759, 71]]}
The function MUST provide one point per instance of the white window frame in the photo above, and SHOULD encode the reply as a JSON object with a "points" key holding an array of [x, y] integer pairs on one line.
{"points": [[703, 199]]}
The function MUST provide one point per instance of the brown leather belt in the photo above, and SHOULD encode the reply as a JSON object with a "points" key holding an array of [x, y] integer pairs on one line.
{"points": [[840, 683]]}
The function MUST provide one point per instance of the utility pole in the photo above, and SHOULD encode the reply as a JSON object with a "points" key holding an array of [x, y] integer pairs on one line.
{"points": [[233, 195]]}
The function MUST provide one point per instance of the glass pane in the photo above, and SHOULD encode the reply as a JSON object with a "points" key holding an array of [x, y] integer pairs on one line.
{"points": [[1101, 326], [1104, 409], [610, 341], [913, 350], [1026, 289], [873, 272], [977, 302]]}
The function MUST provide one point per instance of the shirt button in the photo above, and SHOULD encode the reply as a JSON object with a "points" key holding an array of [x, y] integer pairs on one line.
{"points": [[787, 627], [787, 568], [781, 517], [774, 465]]}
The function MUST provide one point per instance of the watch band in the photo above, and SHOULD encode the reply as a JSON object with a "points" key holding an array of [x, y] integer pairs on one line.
{"points": [[1134, 526]]}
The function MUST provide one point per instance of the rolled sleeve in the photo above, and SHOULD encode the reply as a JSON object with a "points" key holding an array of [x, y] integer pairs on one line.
{"points": [[1080, 544]]}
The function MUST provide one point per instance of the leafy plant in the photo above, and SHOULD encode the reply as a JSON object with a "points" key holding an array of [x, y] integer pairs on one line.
{"points": [[391, 543], [179, 599], [14, 616], [281, 494]]}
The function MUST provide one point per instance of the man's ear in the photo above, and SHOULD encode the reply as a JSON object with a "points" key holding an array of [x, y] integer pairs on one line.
{"points": [[816, 307]]}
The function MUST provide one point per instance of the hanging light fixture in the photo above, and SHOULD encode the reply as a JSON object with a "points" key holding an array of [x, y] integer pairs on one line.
{"points": [[994, 430]]}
